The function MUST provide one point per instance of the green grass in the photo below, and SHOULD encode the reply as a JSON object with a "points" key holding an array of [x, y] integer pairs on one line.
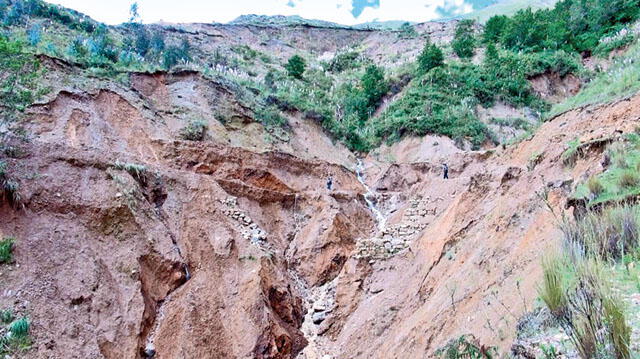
{"points": [[620, 181], [16, 338], [6, 250], [620, 81]]}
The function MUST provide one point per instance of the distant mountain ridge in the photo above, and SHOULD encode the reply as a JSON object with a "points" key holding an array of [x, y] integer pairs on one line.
{"points": [[293, 20]]}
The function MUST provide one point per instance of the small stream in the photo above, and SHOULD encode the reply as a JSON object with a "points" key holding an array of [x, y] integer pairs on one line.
{"points": [[370, 197]]}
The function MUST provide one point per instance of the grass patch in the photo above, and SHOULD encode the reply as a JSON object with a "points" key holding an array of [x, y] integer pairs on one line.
{"points": [[619, 81], [571, 154], [6, 250], [620, 181], [16, 338]]}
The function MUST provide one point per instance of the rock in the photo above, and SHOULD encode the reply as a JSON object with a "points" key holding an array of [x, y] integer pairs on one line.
{"points": [[318, 317], [149, 351]]}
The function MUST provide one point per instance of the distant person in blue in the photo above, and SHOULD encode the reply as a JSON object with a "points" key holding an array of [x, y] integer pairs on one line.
{"points": [[330, 182], [445, 170]]}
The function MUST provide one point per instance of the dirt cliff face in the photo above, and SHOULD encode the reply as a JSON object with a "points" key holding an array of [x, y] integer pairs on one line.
{"points": [[132, 242]]}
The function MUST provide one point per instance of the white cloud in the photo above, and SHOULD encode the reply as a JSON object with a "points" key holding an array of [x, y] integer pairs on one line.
{"points": [[116, 11]]}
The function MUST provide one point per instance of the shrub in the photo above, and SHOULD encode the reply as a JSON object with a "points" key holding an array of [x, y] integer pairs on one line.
{"points": [[174, 54], [407, 30], [629, 179], [430, 57], [269, 116], [194, 131], [344, 61], [34, 34], [494, 28], [6, 250], [464, 42], [374, 85], [295, 66]]}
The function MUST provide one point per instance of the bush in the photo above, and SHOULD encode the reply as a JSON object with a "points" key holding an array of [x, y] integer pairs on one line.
{"points": [[464, 42], [196, 130], [407, 31], [344, 61], [295, 66], [374, 85], [174, 54], [6, 250], [430, 57], [495, 28]]}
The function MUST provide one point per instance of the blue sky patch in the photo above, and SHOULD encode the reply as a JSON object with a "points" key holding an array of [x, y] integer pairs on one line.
{"points": [[359, 5]]}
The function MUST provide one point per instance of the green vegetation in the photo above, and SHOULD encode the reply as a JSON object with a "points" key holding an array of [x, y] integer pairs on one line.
{"points": [[571, 25], [430, 58], [19, 71], [464, 41], [6, 250], [622, 79], [570, 155], [466, 346], [196, 130], [296, 66], [621, 179], [15, 338], [407, 31], [587, 285], [9, 189], [345, 94], [135, 170]]}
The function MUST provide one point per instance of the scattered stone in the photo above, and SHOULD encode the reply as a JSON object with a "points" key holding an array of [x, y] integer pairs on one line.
{"points": [[319, 317]]}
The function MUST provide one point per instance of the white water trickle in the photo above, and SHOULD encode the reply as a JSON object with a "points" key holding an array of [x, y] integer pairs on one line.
{"points": [[382, 221]]}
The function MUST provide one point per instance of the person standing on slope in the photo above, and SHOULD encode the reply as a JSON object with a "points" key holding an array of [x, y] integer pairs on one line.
{"points": [[330, 182], [445, 170]]}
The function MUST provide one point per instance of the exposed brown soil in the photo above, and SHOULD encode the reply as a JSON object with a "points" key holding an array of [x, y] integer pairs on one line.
{"points": [[220, 248]]}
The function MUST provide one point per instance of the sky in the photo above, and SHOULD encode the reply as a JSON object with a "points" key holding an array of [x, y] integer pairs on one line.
{"points": [[347, 12]]}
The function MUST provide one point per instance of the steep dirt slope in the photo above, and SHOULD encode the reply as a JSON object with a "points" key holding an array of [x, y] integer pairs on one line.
{"points": [[133, 242], [474, 267]]}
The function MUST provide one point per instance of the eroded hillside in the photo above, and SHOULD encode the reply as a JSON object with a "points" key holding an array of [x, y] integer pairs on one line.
{"points": [[184, 212]]}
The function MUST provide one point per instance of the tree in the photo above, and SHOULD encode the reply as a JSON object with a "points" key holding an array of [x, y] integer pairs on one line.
{"points": [[431, 57], [407, 30], [373, 85], [175, 54], [296, 66], [494, 28], [134, 15], [464, 42]]}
